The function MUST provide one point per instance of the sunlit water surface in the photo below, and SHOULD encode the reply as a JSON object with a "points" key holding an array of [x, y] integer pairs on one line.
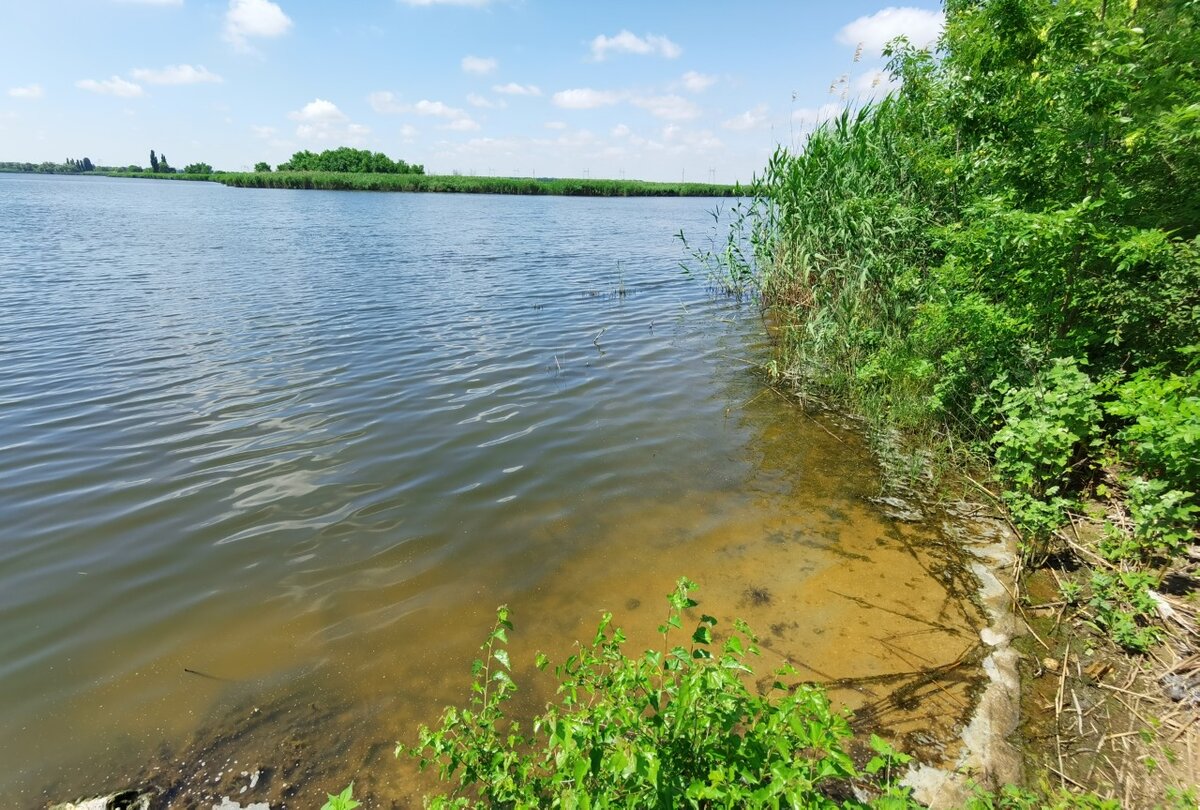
{"points": [[272, 458]]}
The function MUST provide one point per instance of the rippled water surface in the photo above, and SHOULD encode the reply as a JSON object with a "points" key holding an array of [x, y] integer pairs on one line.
{"points": [[271, 459]]}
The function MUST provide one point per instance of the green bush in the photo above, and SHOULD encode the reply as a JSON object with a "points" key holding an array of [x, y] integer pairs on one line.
{"points": [[672, 728], [1163, 424], [1048, 427]]}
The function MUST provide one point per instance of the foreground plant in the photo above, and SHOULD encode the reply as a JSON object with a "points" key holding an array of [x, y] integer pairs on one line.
{"points": [[670, 728]]}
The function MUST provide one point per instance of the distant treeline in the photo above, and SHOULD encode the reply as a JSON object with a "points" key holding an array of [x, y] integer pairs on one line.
{"points": [[354, 181], [345, 159], [68, 166]]}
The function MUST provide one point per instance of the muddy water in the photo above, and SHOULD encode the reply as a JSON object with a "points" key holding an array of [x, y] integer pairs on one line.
{"points": [[270, 466]]}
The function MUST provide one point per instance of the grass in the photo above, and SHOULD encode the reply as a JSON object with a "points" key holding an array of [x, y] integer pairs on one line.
{"points": [[461, 184]]}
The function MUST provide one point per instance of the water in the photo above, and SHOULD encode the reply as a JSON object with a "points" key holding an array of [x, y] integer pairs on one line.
{"points": [[272, 458]]}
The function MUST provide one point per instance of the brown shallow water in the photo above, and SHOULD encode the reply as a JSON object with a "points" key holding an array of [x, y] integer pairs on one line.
{"points": [[264, 488]]}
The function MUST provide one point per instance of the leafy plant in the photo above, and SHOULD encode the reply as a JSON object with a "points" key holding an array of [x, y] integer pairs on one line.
{"points": [[341, 801], [1123, 608], [1047, 428], [669, 728]]}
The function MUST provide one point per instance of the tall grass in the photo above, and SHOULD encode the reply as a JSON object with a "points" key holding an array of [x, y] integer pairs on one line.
{"points": [[353, 181]]}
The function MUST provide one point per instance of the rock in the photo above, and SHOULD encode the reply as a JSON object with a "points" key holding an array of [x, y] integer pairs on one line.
{"points": [[899, 509], [122, 800], [1051, 664]]}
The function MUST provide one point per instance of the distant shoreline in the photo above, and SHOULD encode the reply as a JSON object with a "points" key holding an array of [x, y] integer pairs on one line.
{"points": [[354, 181]]}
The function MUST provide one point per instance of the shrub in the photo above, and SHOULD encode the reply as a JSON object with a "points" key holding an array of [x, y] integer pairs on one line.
{"points": [[671, 728]]}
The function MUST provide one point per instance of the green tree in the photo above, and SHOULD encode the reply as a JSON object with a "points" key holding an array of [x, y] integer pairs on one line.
{"points": [[153, 162], [198, 168], [262, 166]]}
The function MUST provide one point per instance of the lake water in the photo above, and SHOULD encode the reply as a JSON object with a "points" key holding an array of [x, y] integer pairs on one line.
{"points": [[270, 460]]}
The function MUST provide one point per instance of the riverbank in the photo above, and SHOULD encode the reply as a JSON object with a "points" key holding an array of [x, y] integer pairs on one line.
{"points": [[999, 267], [452, 184]]}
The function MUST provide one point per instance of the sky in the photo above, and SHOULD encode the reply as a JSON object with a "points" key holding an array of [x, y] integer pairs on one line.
{"points": [[655, 90]]}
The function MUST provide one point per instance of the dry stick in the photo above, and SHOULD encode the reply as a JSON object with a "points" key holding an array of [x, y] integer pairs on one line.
{"points": [[1078, 712], [1058, 704], [1062, 775], [807, 415]]}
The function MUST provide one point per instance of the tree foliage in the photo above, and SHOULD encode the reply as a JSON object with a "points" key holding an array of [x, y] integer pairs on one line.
{"points": [[345, 159]]}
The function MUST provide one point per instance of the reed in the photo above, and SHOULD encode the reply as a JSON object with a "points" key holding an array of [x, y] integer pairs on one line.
{"points": [[454, 184]]}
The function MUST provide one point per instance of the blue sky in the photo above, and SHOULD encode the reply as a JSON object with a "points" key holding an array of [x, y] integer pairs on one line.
{"points": [[653, 90]]}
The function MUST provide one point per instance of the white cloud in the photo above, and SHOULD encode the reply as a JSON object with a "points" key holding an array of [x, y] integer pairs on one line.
{"points": [[29, 91], [318, 110], [479, 65], [671, 108], [262, 132], [750, 119], [408, 132], [457, 119], [476, 100], [628, 42], [254, 18], [385, 101], [438, 109], [322, 122], [116, 86], [584, 98], [555, 125], [176, 74], [514, 89], [873, 32], [698, 82], [620, 131]]}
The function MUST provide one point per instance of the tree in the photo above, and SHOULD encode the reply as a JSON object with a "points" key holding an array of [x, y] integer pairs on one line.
{"points": [[162, 165], [87, 165], [153, 162], [198, 168], [262, 166]]}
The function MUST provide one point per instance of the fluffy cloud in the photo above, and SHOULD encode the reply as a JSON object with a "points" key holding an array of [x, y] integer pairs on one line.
{"points": [[874, 31], [116, 86], [628, 42], [670, 108], [321, 121], [560, 125], [514, 89], [584, 98], [29, 91], [456, 118], [318, 110], [698, 82], [384, 101], [620, 131], [254, 18], [476, 100], [750, 119], [479, 65], [176, 74]]}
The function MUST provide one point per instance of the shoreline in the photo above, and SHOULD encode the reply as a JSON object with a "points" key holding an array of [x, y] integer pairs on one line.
{"points": [[451, 184]]}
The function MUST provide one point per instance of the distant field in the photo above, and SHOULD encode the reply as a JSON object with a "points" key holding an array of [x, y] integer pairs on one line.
{"points": [[348, 181]]}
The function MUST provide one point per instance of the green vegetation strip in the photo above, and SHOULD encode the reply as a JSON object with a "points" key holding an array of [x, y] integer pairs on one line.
{"points": [[461, 184]]}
